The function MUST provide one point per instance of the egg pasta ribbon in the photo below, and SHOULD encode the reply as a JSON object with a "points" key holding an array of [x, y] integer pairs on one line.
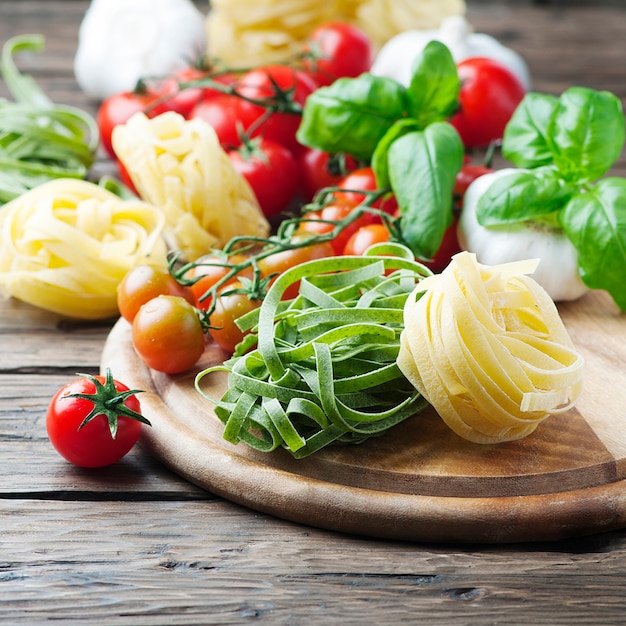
{"points": [[486, 347]]}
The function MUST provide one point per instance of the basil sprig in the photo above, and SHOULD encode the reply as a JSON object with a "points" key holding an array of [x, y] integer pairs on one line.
{"points": [[403, 133], [562, 146]]}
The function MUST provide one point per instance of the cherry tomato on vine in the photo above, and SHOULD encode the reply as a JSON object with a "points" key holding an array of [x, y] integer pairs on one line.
{"points": [[319, 222], [229, 307], [336, 50], [272, 172], [365, 237], [117, 109], [221, 112], [209, 270], [179, 100], [144, 282], [489, 95], [97, 426], [319, 169], [279, 262], [167, 334], [280, 85], [364, 179], [466, 176]]}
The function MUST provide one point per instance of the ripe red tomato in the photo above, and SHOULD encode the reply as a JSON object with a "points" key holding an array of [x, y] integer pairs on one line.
{"points": [[365, 179], [168, 335], [489, 95], [319, 222], [209, 270], [319, 169], [179, 100], [117, 109], [144, 282], [97, 430], [335, 50], [279, 85], [229, 307], [365, 237], [222, 113], [272, 172], [277, 263], [466, 176]]}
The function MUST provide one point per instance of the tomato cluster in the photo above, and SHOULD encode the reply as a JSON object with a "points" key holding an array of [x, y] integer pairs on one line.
{"points": [[255, 113]]}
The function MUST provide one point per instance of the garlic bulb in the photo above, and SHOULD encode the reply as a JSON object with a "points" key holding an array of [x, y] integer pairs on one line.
{"points": [[557, 272], [121, 41], [396, 57]]}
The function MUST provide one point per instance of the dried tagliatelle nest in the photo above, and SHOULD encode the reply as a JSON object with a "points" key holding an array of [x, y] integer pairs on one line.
{"points": [[486, 347], [66, 245], [179, 166], [245, 33]]}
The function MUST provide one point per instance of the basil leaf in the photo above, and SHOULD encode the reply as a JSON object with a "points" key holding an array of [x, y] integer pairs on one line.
{"points": [[523, 195], [380, 159], [595, 223], [434, 88], [352, 115], [524, 142], [422, 168], [586, 133]]}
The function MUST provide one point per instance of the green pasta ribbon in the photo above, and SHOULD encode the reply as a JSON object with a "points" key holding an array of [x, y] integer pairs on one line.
{"points": [[323, 365]]}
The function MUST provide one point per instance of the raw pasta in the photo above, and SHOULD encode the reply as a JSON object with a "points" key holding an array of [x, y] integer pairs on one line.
{"points": [[179, 166], [66, 245], [487, 348]]}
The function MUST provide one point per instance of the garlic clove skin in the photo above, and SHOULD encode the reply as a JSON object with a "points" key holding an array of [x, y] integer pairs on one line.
{"points": [[121, 41], [558, 268], [396, 57]]}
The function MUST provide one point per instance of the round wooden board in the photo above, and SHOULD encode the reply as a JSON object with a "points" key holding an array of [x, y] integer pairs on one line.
{"points": [[419, 481]]}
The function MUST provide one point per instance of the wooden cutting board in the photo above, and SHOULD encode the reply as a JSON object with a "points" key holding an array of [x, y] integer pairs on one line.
{"points": [[419, 481]]}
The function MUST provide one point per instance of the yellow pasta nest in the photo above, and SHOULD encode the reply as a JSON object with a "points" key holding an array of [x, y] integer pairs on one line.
{"points": [[488, 349], [246, 33], [66, 245], [179, 166]]}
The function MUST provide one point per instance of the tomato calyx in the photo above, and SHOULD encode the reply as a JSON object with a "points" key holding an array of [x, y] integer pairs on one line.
{"points": [[108, 402]]}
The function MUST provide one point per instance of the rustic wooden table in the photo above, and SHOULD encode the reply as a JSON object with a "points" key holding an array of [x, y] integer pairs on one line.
{"points": [[135, 544]]}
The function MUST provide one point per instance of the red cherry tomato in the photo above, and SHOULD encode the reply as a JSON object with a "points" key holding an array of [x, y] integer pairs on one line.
{"points": [[319, 169], [222, 113], [209, 270], [489, 95], [365, 237], [279, 84], [92, 444], [179, 100], [229, 307], [337, 50], [466, 176], [167, 334], [365, 179], [319, 222], [279, 262], [144, 282], [117, 109], [272, 172]]}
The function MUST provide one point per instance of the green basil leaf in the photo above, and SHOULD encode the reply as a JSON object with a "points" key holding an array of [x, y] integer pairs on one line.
{"points": [[434, 88], [523, 195], [524, 142], [380, 158], [595, 223], [422, 168], [586, 133], [352, 115]]}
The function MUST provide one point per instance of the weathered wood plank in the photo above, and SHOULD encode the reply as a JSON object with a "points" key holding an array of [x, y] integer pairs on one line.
{"points": [[219, 564]]}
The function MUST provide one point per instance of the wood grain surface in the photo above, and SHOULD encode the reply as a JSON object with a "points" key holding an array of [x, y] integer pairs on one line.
{"points": [[137, 544], [419, 481]]}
